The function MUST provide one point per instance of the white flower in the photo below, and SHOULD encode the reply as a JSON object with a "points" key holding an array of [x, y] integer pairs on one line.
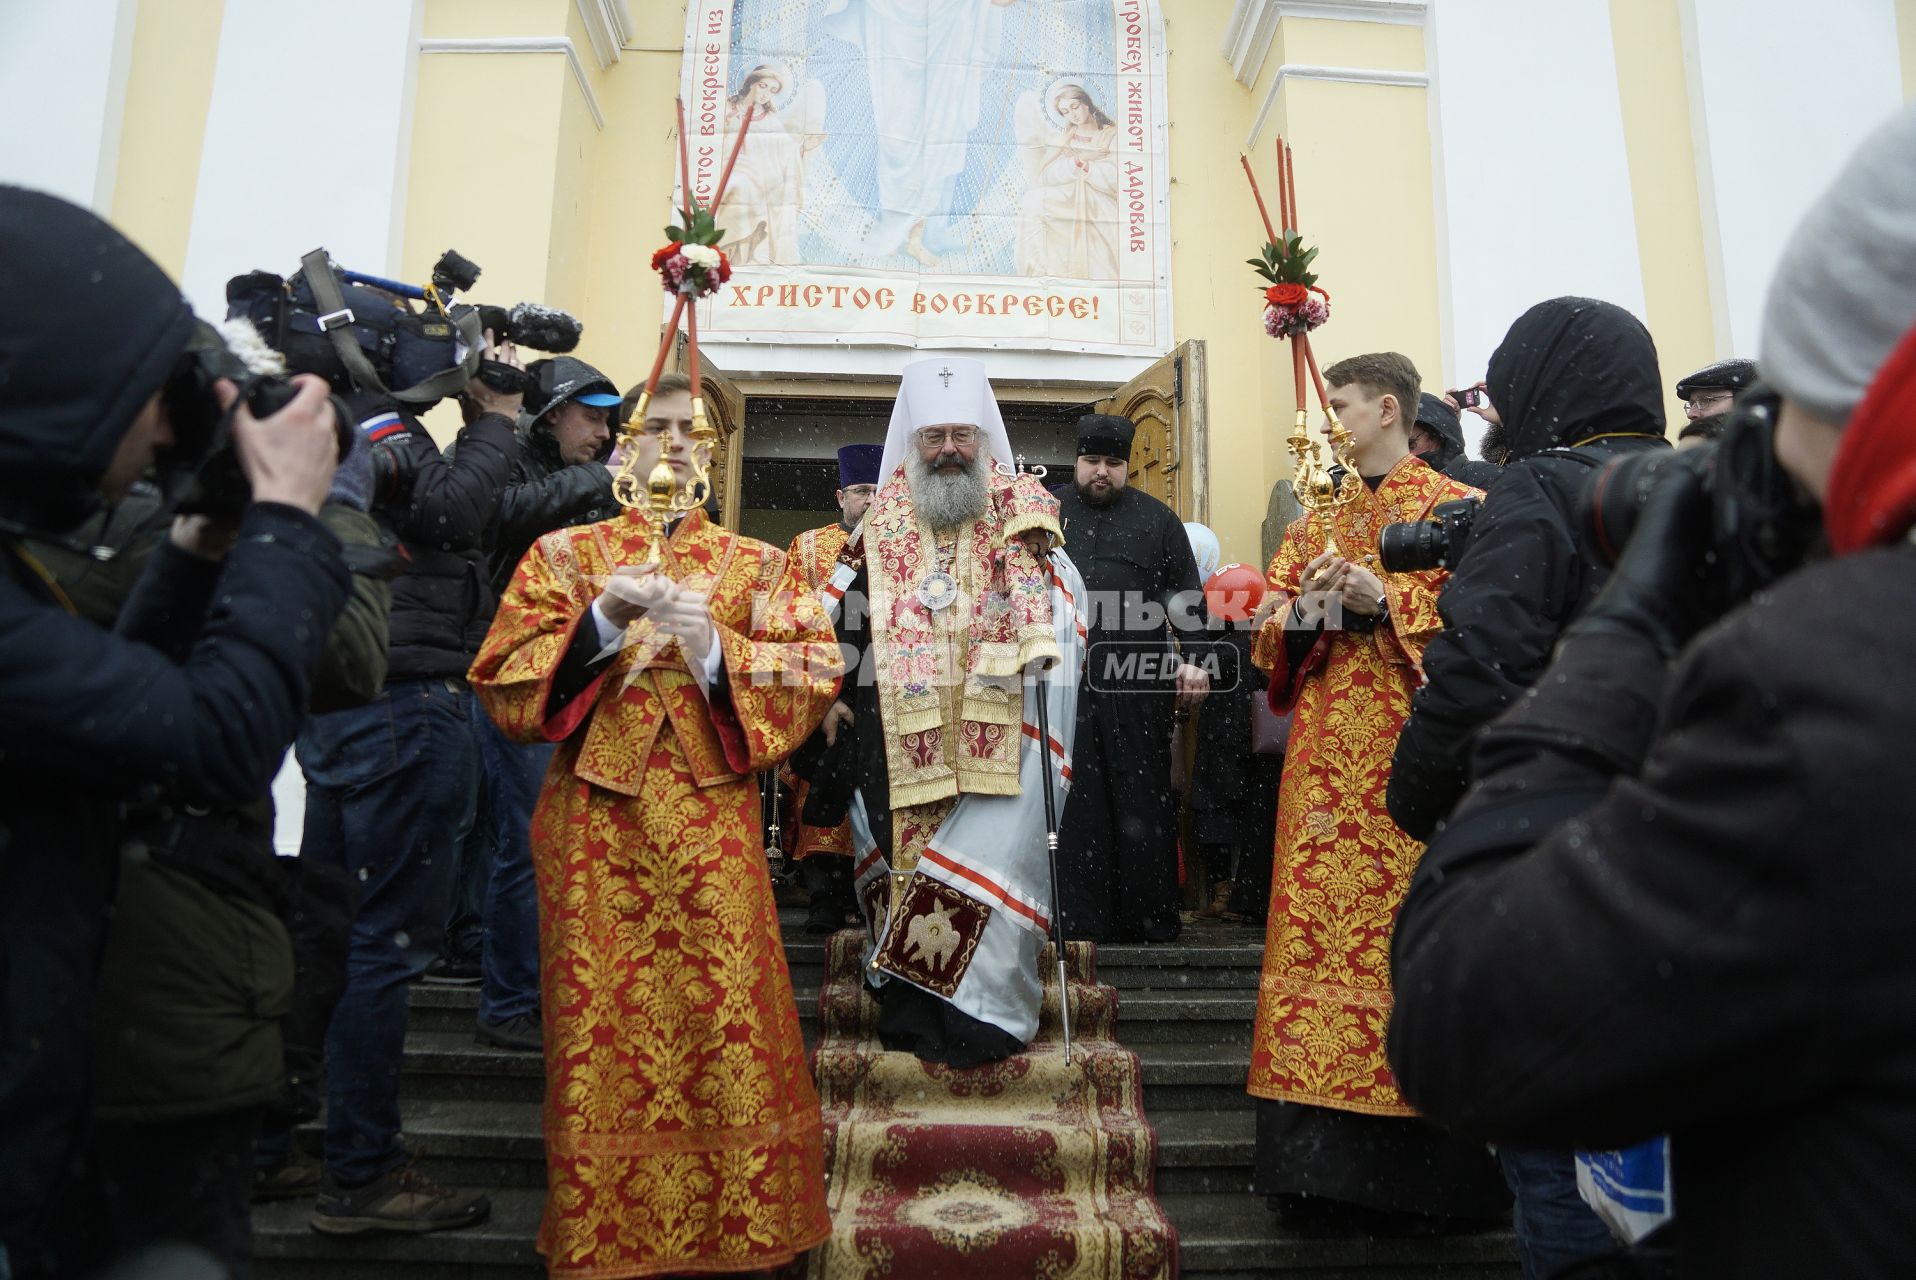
{"points": [[703, 256]]}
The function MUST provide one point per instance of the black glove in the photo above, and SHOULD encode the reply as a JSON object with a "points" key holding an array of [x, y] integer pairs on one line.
{"points": [[1663, 587]]}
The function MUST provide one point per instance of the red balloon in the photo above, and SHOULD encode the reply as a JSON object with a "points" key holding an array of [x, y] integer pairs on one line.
{"points": [[1234, 592]]}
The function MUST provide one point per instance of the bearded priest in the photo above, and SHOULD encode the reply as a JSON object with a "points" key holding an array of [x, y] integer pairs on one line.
{"points": [[682, 1131], [953, 595]]}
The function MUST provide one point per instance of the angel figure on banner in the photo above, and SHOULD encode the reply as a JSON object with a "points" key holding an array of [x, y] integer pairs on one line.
{"points": [[761, 206], [1068, 216]]}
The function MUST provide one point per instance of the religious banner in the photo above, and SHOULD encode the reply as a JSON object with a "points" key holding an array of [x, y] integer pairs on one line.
{"points": [[935, 173]]}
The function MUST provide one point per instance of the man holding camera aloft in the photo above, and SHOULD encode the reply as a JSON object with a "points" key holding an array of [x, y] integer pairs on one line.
{"points": [[95, 389], [1343, 638], [560, 477], [1676, 898], [391, 788]]}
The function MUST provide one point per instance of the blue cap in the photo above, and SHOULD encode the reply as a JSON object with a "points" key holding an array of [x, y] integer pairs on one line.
{"points": [[600, 399], [858, 464]]}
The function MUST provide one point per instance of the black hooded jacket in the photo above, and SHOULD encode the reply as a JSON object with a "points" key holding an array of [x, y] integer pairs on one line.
{"points": [[90, 331], [545, 493], [1450, 459], [1576, 384]]}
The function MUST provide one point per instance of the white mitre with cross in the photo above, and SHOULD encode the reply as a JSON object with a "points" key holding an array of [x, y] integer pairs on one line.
{"points": [[944, 391]]}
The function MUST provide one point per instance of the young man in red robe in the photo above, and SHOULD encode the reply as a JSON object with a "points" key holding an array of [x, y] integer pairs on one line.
{"points": [[682, 1130], [1343, 640]]}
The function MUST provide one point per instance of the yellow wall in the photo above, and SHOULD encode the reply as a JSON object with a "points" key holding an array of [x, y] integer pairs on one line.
{"points": [[1663, 189], [1906, 43], [168, 93]]}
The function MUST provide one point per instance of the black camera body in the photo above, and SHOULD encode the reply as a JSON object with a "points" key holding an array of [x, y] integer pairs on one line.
{"points": [[1437, 543], [202, 469], [1761, 525], [403, 347]]}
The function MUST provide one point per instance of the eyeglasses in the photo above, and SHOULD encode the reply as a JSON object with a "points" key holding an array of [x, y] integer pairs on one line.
{"points": [[1705, 401], [935, 437]]}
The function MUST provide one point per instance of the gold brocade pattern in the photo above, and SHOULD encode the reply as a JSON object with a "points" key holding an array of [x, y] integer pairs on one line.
{"points": [[682, 1129], [1341, 865]]}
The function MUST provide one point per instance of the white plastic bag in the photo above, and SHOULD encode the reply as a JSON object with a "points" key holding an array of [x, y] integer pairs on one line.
{"points": [[1628, 1189]]}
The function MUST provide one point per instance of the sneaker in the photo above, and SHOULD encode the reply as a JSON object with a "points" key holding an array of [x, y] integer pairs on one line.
{"points": [[294, 1178], [522, 1033], [446, 971], [403, 1200]]}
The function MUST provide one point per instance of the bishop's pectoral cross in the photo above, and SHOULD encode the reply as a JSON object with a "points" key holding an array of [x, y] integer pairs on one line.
{"points": [[946, 375]]}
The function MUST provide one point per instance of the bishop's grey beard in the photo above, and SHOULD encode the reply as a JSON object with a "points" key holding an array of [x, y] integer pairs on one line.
{"points": [[948, 499]]}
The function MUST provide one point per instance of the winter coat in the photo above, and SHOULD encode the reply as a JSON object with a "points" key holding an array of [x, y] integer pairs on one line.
{"points": [[544, 493], [1233, 793], [197, 979], [1719, 948], [1576, 383], [92, 716], [444, 601]]}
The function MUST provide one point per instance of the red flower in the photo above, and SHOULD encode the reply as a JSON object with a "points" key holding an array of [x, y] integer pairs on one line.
{"points": [[658, 259], [724, 271], [1286, 295]]}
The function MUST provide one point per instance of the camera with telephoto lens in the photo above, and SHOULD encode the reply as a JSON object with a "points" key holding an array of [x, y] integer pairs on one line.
{"points": [[1761, 525], [201, 469], [1437, 543]]}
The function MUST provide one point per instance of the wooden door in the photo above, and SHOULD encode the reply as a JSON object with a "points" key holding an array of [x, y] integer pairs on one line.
{"points": [[725, 410], [1167, 403]]}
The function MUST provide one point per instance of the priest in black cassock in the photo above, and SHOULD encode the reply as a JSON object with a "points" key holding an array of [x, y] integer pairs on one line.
{"points": [[1117, 841]]}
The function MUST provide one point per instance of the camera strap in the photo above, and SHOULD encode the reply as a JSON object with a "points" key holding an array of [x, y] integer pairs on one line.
{"points": [[336, 317]]}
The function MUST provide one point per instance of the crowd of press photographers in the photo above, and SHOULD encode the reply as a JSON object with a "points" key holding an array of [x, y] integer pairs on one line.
{"points": [[1656, 753]]}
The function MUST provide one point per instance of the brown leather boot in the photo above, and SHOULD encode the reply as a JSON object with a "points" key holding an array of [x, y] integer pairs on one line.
{"points": [[1220, 898]]}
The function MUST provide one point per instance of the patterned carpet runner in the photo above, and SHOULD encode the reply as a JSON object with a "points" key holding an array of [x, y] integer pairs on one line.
{"points": [[1025, 1167]]}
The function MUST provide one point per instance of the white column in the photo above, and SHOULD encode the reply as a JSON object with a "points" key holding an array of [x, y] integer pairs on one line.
{"points": [[63, 72], [1533, 181], [308, 140], [1780, 94]]}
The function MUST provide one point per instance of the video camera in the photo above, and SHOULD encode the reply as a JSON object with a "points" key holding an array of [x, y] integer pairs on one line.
{"points": [[361, 334], [1761, 526]]}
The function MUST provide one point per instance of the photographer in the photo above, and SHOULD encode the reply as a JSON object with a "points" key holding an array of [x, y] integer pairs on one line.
{"points": [[1438, 438], [560, 477], [1676, 900], [391, 789], [94, 338], [1575, 384]]}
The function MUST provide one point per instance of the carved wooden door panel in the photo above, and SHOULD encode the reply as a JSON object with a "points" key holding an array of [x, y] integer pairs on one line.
{"points": [[725, 410], [1166, 402]]}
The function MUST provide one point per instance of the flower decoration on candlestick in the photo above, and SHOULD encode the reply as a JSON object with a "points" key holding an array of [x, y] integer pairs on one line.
{"points": [[693, 264], [692, 267], [1293, 303]]}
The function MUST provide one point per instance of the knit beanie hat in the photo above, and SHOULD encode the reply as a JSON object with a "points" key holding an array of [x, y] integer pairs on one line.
{"points": [[1844, 292]]}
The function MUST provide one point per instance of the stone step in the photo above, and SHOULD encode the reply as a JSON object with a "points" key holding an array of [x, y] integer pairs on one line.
{"points": [[1234, 1237], [1204, 1152], [433, 1007], [285, 1247], [1200, 1016]]}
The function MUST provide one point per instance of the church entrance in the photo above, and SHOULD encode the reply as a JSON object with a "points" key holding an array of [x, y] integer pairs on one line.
{"points": [[778, 469]]}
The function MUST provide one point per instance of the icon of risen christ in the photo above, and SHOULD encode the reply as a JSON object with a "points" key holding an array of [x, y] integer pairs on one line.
{"points": [[927, 62]]}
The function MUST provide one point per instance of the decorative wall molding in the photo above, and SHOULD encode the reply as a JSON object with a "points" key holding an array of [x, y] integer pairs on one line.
{"points": [[1252, 26], [525, 44], [608, 25], [1338, 75]]}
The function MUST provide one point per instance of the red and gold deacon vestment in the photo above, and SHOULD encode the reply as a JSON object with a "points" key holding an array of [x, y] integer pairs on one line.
{"points": [[682, 1130], [1341, 865], [812, 557]]}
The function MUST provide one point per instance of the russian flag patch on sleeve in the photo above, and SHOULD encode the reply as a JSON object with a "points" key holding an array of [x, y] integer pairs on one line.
{"points": [[381, 426]]}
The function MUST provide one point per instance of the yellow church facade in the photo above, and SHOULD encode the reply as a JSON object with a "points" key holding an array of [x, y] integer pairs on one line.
{"points": [[1456, 160]]}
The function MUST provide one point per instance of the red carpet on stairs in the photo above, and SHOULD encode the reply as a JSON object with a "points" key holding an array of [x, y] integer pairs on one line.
{"points": [[1024, 1168]]}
